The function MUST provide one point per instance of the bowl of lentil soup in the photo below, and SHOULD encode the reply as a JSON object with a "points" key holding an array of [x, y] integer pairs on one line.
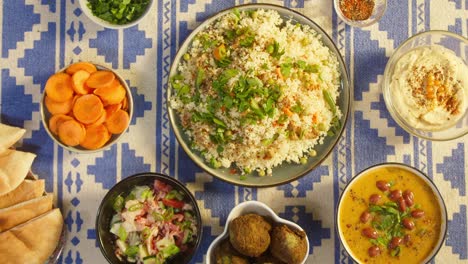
{"points": [[391, 213], [360, 13]]}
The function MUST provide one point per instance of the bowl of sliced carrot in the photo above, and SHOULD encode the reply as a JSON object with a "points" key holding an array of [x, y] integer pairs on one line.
{"points": [[86, 107]]}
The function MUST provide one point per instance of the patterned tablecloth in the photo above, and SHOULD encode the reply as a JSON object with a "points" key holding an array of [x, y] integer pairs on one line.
{"points": [[40, 37]]}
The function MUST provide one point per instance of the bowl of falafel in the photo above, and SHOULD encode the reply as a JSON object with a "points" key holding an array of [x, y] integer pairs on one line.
{"points": [[255, 234]]}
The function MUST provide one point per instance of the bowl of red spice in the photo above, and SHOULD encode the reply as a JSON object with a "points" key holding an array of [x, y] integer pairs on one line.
{"points": [[360, 13]]}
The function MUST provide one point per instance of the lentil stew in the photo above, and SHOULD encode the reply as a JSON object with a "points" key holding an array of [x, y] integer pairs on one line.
{"points": [[388, 214]]}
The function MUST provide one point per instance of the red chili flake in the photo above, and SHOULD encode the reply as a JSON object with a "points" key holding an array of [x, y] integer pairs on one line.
{"points": [[357, 9]]}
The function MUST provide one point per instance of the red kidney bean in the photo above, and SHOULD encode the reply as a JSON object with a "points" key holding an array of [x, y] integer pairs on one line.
{"points": [[418, 213], [395, 242], [374, 251], [408, 223], [365, 216], [395, 195], [401, 204], [370, 233], [374, 198], [383, 185], [407, 239], [409, 197]]}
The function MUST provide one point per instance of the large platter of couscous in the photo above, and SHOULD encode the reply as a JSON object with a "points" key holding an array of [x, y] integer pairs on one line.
{"points": [[258, 95]]}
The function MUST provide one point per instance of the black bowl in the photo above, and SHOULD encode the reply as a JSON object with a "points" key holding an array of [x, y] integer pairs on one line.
{"points": [[105, 212]]}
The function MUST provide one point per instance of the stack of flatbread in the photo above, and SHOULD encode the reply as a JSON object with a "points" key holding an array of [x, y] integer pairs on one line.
{"points": [[29, 227]]}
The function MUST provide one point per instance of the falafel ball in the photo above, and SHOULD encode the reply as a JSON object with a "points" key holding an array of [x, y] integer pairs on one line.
{"points": [[225, 254], [267, 258], [288, 245], [249, 234]]}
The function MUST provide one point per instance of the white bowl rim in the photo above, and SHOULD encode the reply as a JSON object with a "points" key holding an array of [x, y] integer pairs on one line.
{"points": [[42, 110], [257, 208], [107, 24], [386, 90], [420, 174]]}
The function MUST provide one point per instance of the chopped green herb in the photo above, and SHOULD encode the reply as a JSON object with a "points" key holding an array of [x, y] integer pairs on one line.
{"points": [[200, 78], [248, 40], [118, 203], [331, 103], [274, 50], [135, 207], [286, 69], [118, 12], [395, 252], [131, 251]]}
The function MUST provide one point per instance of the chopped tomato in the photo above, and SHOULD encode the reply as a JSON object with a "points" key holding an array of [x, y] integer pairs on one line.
{"points": [[173, 203]]}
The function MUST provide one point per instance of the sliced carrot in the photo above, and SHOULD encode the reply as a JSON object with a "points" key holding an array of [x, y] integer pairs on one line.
{"points": [[59, 87], [111, 94], [96, 137], [100, 79], [58, 107], [100, 120], [219, 52], [56, 120], [287, 111], [278, 72], [125, 103], [111, 109], [78, 82], [118, 122], [88, 108], [71, 133], [79, 66]]}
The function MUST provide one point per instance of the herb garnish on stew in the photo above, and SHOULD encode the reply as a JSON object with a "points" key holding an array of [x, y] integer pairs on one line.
{"points": [[390, 221]]}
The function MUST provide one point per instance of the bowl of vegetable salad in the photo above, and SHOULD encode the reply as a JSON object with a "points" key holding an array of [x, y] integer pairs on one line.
{"points": [[148, 218]]}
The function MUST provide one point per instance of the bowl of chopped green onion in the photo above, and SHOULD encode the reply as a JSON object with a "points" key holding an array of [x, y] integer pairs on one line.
{"points": [[116, 14]]}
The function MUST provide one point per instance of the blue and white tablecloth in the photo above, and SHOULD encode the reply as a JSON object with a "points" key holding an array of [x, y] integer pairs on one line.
{"points": [[38, 37]]}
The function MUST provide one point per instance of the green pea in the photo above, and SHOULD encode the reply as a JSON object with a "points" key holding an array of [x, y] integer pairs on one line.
{"points": [[247, 170], [270, 49], [186, 56], [303, 160], [312, 153], [261, 173], [322, 127]]}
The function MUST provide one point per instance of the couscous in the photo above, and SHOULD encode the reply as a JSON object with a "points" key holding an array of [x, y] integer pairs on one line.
{"points": [[255, 90]]}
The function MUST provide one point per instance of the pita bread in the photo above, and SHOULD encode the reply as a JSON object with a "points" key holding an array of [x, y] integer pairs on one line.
{"points": [[22, 212], [14, 166], [27, 190], [9, 136], [32, 242]]}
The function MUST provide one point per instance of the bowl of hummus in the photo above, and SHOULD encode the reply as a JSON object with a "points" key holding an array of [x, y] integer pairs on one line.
{"points": [[425, 85]]}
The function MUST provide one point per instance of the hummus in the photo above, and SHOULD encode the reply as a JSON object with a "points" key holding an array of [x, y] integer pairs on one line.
{"points": [[429, 88]]}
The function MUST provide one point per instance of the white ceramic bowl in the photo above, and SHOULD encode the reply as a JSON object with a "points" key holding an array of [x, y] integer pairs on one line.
{"points": [[46, 115], [106, 24], [246, 208]]}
